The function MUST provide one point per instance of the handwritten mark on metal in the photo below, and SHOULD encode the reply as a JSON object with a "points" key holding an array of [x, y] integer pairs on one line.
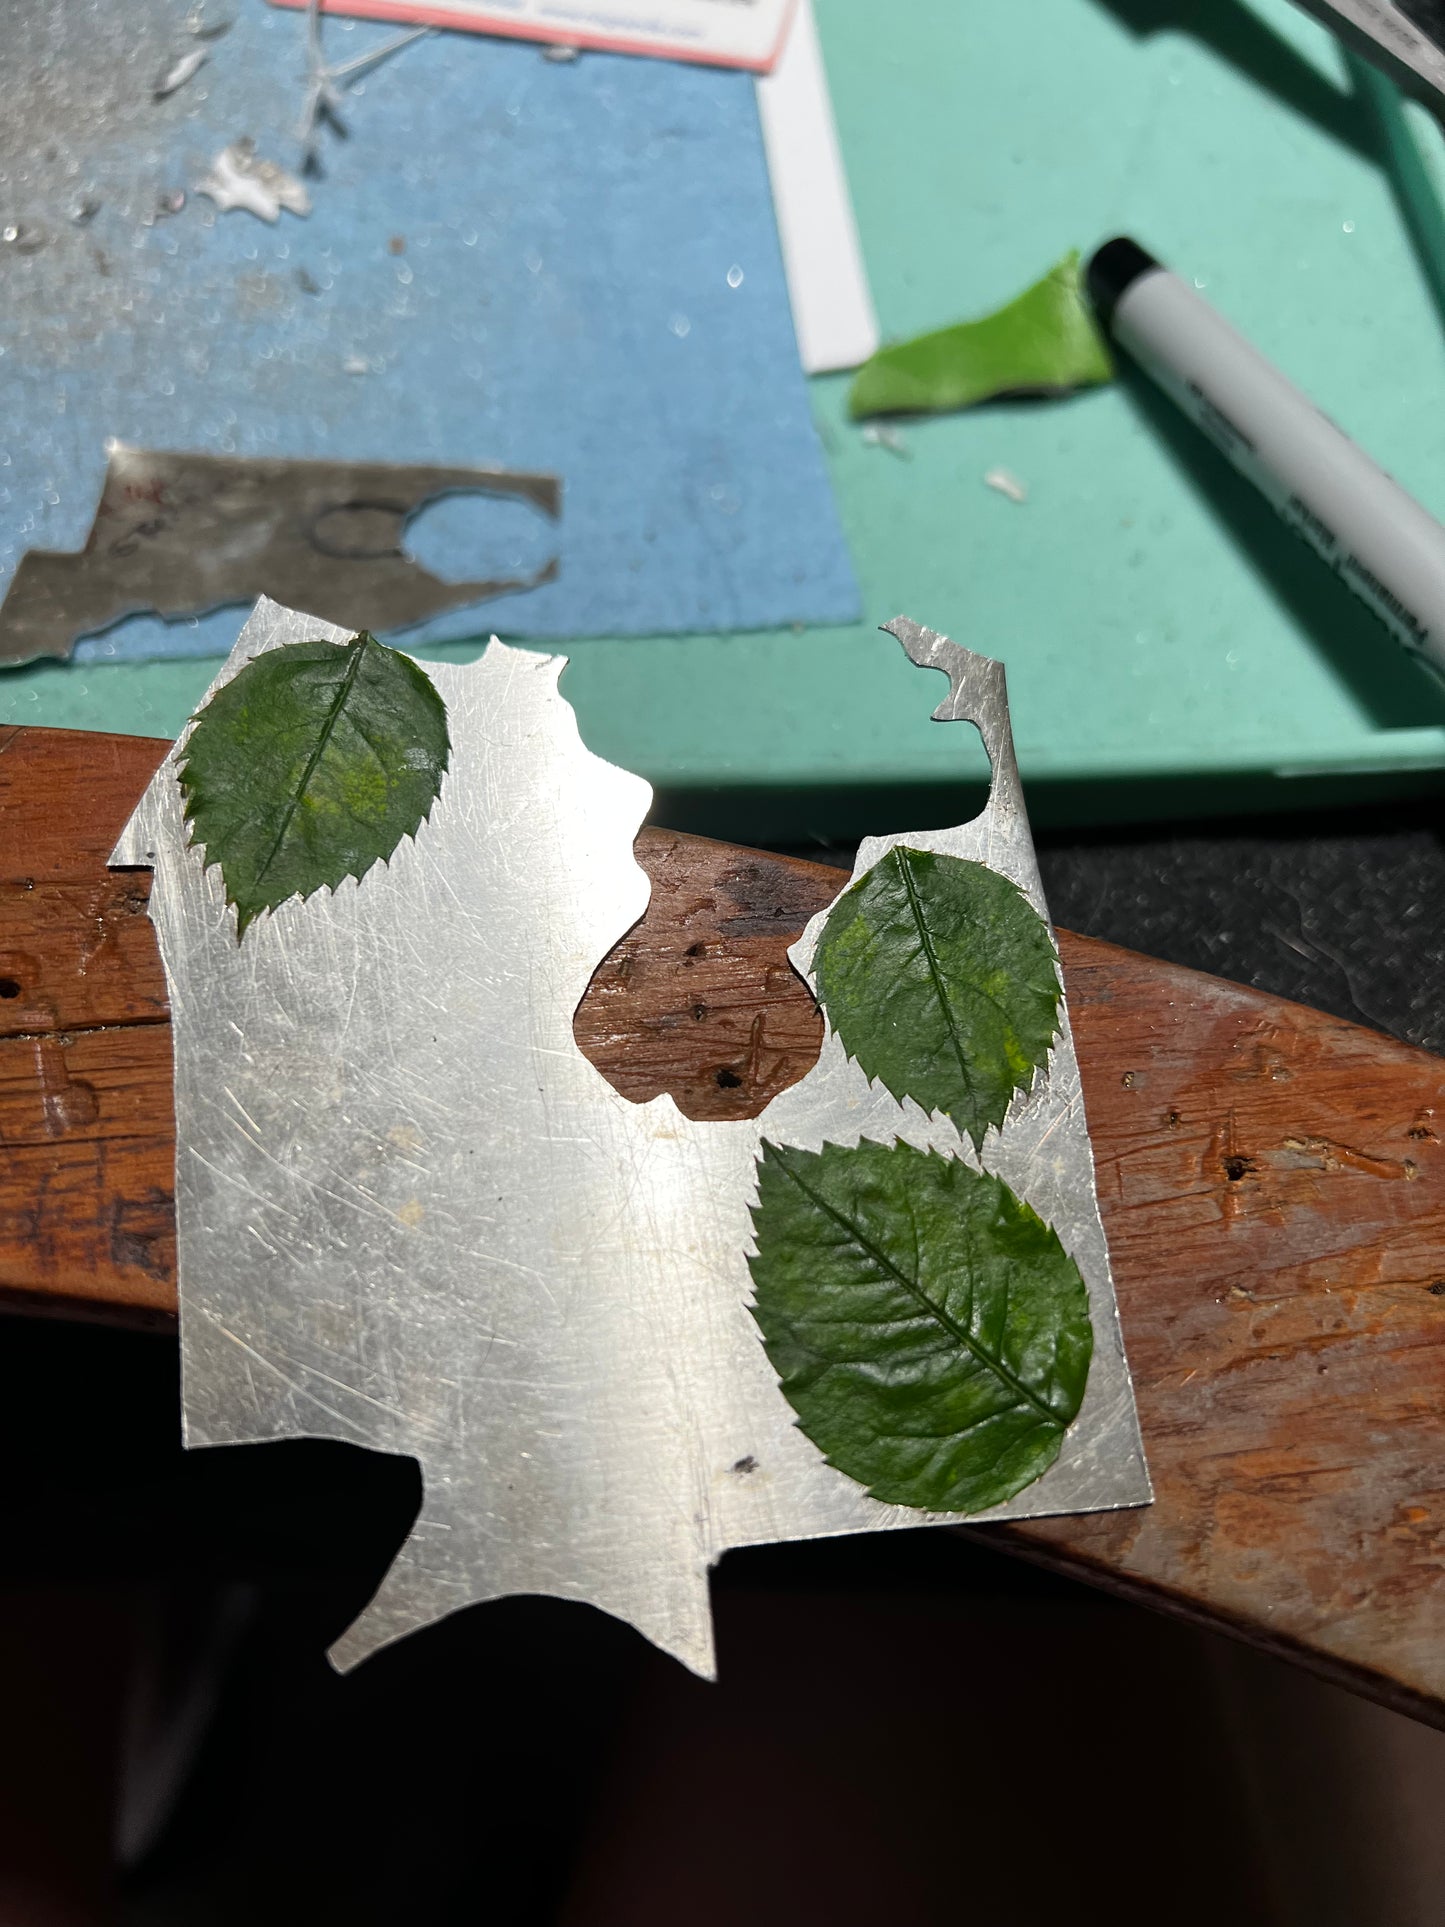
{"points": [[414, 1216], [179, 534]]}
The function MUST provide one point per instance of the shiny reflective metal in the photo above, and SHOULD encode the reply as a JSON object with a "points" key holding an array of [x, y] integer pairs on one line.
{"points": [[413, 1215], [1407, 40], [178, 535]]}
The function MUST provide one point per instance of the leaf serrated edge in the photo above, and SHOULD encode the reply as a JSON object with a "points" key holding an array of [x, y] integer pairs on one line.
{"points": [[914, 1290], [892, 1144], [1017, 1089], [243, 923], [183, 760]]}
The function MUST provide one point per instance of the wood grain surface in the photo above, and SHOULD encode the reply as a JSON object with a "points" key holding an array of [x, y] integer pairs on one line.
{"points": [[1272, 1183]]}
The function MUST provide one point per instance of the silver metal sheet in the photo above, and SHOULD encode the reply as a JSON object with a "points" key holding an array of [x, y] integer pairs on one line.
{"points": [[414, 1216], [178, 534]]}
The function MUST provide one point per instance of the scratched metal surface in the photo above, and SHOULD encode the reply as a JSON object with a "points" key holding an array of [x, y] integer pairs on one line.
{"points": [[412, 1215]]}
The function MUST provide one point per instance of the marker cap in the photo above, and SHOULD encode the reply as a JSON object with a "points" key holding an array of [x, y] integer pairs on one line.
{"points": [[1112, 271]]}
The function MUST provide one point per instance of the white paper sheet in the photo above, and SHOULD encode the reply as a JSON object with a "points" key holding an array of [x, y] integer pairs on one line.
{"points": [[827, 281]]}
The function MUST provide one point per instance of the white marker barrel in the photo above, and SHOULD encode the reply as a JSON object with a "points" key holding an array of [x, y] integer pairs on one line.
{"points": [[1377, 538]]}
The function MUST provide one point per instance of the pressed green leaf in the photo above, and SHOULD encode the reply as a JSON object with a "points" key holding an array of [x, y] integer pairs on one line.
{"points": [[929, 1330], [942, 980], [310, 765], [1044, 343]]}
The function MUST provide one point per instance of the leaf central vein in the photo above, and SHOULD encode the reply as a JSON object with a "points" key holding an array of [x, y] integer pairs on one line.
{"points": [[916, 1291], [935, 971], [323, 737]]}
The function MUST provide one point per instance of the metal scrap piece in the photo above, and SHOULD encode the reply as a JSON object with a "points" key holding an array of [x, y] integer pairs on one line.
{"points": [[1004, 482], [23, 238], [178, 535], [177, 72], [412, 1215], [237, 179], [196, 23]]}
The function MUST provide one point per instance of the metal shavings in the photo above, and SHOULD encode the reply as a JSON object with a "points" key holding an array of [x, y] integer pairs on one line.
{"points": [[356, 365], [1006, 483], [196, 23], [239, 180], [324, 96], [885, 435], [166, 205], [179, 72], [561, 53], [23, 239]]}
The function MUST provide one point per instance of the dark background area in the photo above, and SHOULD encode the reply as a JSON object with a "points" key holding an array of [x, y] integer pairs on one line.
{"points": [[1341, 909], [908, 1728], [1344, 911]]}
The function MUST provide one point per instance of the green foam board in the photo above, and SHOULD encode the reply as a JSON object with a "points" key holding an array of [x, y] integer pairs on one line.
{"points": [[1169, 645]]}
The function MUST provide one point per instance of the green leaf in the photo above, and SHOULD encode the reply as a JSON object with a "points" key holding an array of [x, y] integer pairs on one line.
{"points": [[942, 980], [929, 1330], [1044, 343], [310, 765]]}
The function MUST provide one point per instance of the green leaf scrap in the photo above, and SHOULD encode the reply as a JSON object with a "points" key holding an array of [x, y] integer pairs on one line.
{"points": [[311, 765], [1047, 342], [928, 1329], [942, 980]]}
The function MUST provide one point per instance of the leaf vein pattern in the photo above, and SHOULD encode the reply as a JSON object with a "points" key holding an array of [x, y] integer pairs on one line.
{"points": [[293, 802], [916, 1291], [935, 971]]}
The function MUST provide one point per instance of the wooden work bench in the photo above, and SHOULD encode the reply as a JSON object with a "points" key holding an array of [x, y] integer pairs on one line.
{"points": [[1272, 1183]]}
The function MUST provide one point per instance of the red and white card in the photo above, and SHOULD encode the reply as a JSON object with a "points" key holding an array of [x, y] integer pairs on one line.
{"points": [[721, 33]]}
